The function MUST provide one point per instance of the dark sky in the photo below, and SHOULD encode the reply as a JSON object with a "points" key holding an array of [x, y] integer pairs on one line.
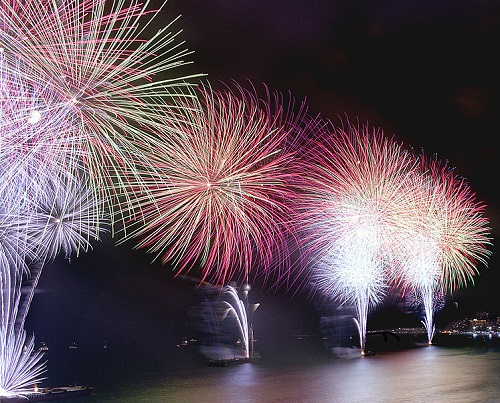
{"points": [[426, 72]]}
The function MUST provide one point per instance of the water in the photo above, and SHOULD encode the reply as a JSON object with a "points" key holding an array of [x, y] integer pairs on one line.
{"points": [[460, 373]]}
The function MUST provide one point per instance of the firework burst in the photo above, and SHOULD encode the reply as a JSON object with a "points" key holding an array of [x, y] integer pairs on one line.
{"points": [[449, 238], [105, 79], [79, 87], [20, 365], [462, 233], [35, 137], [217, 197], [35, 226], [64, 216], [352, 214]]}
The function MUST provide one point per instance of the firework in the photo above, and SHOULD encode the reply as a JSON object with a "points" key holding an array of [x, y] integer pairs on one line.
{"points": [[352, 214], [223, 323], [449, 238], [426, 302], [462, 233], [36, 138], [217, 197], [59, 216], [14, 246], [234, 307], [422, 277], [20, 365], [64, 216], [78, 88], [105, 78]]}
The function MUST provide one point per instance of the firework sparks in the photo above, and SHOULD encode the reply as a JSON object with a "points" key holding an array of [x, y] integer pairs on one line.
{"points": [[217, 197], [104, 78], [223, 324], [235, 307], [352, 214], [450, 236], [463, 233], [65, 216], [20, 365], [79, 87], [35, 137], [59, 216]]}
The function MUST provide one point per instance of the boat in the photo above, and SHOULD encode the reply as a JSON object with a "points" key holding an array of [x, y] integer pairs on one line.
{"points": [[226, 362], [229, 361], [47, 394]]}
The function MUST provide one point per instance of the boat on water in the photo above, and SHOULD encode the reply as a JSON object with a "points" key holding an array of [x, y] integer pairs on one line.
{"points": [[46, 394], [226, 362], [229, 361]]}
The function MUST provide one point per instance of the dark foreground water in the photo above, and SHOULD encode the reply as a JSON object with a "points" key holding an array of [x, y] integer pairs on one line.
{"points": [[449, 372]]}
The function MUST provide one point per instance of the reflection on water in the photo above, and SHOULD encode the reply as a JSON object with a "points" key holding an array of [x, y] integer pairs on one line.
{"points": [[425, 374]]}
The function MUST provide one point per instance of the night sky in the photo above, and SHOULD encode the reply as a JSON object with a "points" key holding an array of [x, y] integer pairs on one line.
{"points": [[426, 72]]}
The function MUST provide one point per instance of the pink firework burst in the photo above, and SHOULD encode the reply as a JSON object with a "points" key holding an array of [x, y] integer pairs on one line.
{"points": [[463, 236], [218, 195], [449, 237], [352, 213]]}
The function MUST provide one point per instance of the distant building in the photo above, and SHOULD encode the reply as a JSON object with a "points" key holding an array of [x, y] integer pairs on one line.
{"points": [[478, 322], [481, 324]]}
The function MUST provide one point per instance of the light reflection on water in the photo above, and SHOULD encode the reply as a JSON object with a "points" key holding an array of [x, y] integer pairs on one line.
{"points": [[427, 374]]}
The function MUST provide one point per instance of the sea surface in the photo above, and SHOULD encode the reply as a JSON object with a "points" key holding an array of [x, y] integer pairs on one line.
{"points": [[457, 371]]}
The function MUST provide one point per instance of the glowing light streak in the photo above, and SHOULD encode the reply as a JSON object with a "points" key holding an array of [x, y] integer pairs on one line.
{"points": [[235, 306]]}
